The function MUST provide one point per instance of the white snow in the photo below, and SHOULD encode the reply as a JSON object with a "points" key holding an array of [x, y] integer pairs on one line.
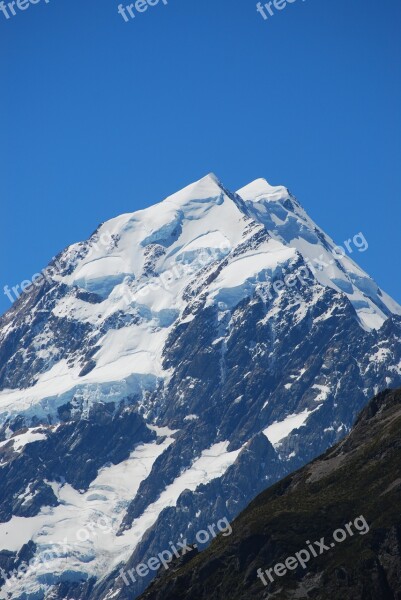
{"points": [[323, 394], [279, 430], [240, 277], [23, 439], [260, 188], [380, 356]]}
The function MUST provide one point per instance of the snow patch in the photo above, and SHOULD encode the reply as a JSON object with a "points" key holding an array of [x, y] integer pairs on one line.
{"points": [[279, 430]]}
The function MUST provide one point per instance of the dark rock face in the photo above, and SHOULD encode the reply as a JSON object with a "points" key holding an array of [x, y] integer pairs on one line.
{"points": [[358, 477], [18, 366], [11, 561]]}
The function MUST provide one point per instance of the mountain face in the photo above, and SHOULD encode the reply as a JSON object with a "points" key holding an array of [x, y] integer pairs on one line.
{"points": [[356, 483], [168, 370]]}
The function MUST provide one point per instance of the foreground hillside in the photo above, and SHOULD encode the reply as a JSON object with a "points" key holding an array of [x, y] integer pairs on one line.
{"points": [[357, 482]]}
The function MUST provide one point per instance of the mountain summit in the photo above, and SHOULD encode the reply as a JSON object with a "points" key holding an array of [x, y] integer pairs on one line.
{"points": [[178, 362]]}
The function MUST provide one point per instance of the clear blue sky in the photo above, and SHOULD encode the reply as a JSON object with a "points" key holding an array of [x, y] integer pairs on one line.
{"points": [[100, 117]]}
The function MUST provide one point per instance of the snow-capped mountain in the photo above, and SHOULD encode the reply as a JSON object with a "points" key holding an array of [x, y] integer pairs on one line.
{"points": [[175, 364]]}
